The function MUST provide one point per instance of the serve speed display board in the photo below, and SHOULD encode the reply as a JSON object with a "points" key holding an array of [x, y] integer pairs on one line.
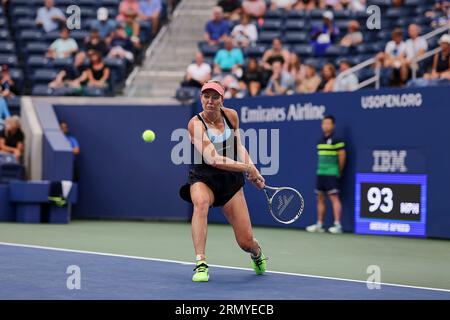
{"points": [[393, 204]]}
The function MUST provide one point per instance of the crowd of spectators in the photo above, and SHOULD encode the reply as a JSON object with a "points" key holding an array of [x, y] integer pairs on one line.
{"points": [[237, 27]]}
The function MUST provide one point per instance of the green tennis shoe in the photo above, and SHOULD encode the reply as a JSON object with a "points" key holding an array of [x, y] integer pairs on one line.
{"points": [[259, 263], [201, 273]]}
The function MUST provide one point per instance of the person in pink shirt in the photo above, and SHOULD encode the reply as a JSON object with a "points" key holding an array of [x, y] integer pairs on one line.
{"points": [[254, 8], [127, 6]]}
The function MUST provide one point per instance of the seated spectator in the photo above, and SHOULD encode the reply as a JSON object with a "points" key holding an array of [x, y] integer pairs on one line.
{"points": [[441, 61], [96, 75], [91, 42], [72, 140], [12, 138], [231, 9], [252, 77], [394, 57], [328, 78], [282, 4], [197, 73], [49, 17], [233, 90], [415, 46], [245, 33], [103, 24], [354, 5], [354, 36], [95, 42], [217, 29], [254, 8], [64, 47], [280, 82], [6, 82], [67, 78], [310, 82], [121, 46], [348, 82], [325, 35], [4, 112], [305, 5], [397, 3], [295, 67], [132, 28], [330, 4], [150, 10], [229, 59], [275, 53], [440, 14], [126, 6]]}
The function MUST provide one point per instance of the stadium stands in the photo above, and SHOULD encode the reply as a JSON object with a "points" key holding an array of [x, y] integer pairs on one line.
{"points": [[295, 29], [23, 46]]}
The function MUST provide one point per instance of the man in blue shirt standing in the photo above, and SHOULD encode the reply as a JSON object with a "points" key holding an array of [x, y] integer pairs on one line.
{"points": [[218, 28]]}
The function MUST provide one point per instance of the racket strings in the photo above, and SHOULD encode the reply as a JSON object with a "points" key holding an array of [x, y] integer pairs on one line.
{"points": [[286, 205]]}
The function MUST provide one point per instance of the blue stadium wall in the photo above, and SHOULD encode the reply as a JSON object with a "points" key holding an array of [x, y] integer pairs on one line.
{"points": [[121, 177]]}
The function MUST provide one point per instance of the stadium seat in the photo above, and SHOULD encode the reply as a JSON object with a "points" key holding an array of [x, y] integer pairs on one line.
{"points": [[25, 23], [18, 78], [274, 14], [397, 12], [38, 62], [52, 36], [268, 36], [296, 14], [303, 50], [94, 92], [116, 65], [36, 48], [336, 50], [62, 63], [316, 13], [295, 24], [7, 47], [41, 76], [208, 50], [23, 12], [255, 51], [4, 35], [30, 35], [8, 59], [41, 90], [186, 95], [295, 37], [271, 25]]}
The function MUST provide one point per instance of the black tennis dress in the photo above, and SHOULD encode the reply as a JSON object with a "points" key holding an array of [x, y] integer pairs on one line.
{"points": [[224, 184]]}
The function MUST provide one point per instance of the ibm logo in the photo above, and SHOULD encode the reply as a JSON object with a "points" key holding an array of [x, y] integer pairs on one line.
{"points": [[389, 161]]}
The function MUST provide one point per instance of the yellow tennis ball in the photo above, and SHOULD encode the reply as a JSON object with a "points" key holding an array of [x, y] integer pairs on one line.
{"points": [[148, 136]]}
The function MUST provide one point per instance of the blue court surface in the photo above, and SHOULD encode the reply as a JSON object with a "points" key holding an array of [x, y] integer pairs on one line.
{"points": [[28, 272]]}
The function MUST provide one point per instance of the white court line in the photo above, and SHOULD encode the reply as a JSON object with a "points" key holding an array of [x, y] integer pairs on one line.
{"points": [[213, 265]]}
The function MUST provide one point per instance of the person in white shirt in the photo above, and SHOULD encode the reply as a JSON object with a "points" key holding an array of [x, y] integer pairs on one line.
{"points": [[244, 33], [49, 17], [394, 57], [64, 47], [348, 82], [197, 73], [415, 45]]}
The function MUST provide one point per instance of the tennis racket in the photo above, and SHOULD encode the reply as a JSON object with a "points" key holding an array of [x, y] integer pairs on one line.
{"points": [[285, 204]]}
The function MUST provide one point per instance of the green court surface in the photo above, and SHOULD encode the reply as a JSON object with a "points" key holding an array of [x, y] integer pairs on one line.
{"points": [[405, 261]]}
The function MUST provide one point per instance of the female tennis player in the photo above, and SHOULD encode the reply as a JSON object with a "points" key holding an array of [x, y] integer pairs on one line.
{"points": [[217, 179]]}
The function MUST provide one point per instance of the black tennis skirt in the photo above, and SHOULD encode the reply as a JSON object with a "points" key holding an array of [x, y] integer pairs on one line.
{"points": [[223, 184]]}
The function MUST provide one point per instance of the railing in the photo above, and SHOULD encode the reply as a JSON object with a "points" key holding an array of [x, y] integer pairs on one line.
{"points": [[375, 79], [414, 65], [415, 61]]}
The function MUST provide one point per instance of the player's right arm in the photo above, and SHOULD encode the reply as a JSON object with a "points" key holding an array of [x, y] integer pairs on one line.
{"points": [[205, 147]]}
